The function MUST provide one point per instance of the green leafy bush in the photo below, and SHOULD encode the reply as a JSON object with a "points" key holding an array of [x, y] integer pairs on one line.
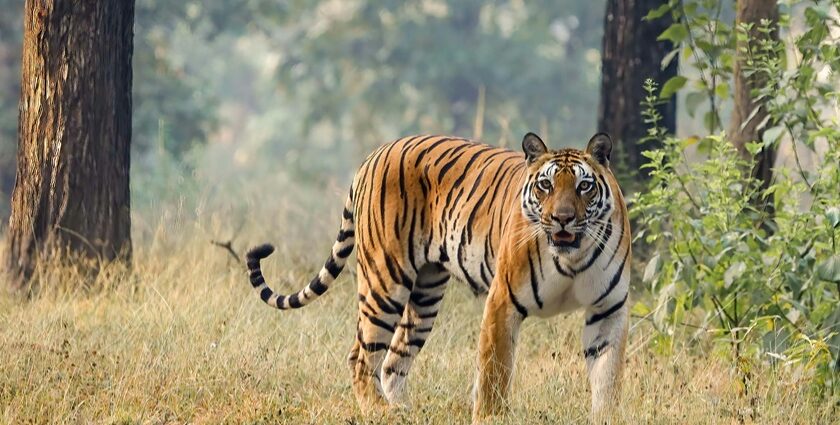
{"points": [[764, 282]]}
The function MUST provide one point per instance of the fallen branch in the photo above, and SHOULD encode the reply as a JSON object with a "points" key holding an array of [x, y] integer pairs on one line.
{"points": [[229, 247]]}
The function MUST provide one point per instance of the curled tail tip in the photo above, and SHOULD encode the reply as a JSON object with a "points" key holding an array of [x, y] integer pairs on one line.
{"points": [[259, 252]]}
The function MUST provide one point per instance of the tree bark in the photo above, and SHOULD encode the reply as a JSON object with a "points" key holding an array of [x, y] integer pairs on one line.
{"points": [[71, 194], [743, 128], [631, 55]]}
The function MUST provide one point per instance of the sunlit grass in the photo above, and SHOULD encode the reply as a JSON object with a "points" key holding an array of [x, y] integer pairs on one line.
{"points": [[182, 339]]}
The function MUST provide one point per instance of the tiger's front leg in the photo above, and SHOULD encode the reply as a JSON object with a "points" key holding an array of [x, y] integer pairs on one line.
{"points": [[496, 349], [604, 341]]}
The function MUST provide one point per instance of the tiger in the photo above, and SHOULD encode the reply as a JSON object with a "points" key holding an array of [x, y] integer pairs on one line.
{"points": [[538, 232]]}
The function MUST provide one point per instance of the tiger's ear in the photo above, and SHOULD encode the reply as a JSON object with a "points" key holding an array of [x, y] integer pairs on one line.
{"points": [[600, 147], [533, 147]]}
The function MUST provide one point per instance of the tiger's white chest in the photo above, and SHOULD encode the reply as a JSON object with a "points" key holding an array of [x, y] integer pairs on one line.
{"points": [[565, 284]]}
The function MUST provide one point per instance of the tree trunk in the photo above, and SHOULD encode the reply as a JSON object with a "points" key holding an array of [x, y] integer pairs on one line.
{"points": [[740, 130], [71, 194], [631, 55]]}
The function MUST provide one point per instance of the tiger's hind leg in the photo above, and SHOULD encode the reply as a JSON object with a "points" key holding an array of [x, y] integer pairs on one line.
{"points": [[381, 304], [413, 329], [353, 356]]}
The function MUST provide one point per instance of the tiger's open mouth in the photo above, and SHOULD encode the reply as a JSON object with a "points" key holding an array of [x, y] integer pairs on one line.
{"points": [[564, 239]]}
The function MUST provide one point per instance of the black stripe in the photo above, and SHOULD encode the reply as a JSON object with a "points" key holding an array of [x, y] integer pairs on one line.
{"points": [[603, 315], [317, 286], [411, 240], [344, 252], [403, 193], [445, 168], [468, 166], [595, 351], [475, 208], [522, 310], [459, 146], [475, 185], [366, 304], [488, 250], [384, 187], [397, 273], [386, 304], [265, 294], [294, 301], [473, 284], [599, 247], [444, 257], [332, 267], [606, 187], [534, 283], [486, 278], [560, 268], [429, 315], [344, 234], [402, 172], [379, 322], [425, 151], [435, 284], [347, 214], [373, 231], [425, 302], [621, 230], [373, 346], [392, 371], [397, 351], [539, 262], [614, 281], [257, 281], [448, 205], [417, 342]]}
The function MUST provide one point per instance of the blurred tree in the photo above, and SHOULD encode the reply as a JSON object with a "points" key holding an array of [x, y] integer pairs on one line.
{"points": [[749, 116], [631, 54], [173, 111], [306, 86], [382, 69], [71, 194]]}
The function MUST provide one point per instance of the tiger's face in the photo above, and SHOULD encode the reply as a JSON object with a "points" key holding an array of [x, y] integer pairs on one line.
{"points": [[566, 192]]}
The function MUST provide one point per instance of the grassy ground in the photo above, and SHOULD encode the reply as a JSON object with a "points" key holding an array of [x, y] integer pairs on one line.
{"points": [[183, 339]]}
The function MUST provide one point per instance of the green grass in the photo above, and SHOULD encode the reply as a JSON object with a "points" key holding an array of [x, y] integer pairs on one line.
{"points": [[182, 339]]}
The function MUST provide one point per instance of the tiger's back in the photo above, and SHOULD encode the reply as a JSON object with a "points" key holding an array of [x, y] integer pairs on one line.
{"points": [[438, 200]]}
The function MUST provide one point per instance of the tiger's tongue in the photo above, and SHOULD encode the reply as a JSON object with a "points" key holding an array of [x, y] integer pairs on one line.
{"points": [[562, 236]]}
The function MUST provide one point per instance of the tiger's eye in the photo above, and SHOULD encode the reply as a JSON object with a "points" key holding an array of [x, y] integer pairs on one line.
{"points": [[584, 186], [544, 185]]}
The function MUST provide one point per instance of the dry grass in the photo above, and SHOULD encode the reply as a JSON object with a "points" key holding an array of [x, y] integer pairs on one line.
{"points": [[182, 339]]}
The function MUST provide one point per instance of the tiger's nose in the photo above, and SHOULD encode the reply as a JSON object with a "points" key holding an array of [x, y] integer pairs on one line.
{"points": [[563, 216]]}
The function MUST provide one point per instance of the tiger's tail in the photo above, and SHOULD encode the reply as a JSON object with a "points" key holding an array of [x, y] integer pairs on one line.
{"points": [[343, 246]]}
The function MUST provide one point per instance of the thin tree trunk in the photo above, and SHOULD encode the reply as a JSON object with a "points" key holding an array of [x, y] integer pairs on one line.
{"points": [[631, 55], [743, 127], [71, 195]]}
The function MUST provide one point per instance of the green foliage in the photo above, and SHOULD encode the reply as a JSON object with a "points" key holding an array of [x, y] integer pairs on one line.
{"points": [[400, 68], [705, 42], [309, 87], [768, 287]]}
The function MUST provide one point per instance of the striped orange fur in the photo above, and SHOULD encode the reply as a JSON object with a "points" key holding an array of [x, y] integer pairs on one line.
{"points": [[541, 233]]}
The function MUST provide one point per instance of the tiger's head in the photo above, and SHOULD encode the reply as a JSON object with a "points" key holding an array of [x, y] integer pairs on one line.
{"points": [[566, 191]]}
